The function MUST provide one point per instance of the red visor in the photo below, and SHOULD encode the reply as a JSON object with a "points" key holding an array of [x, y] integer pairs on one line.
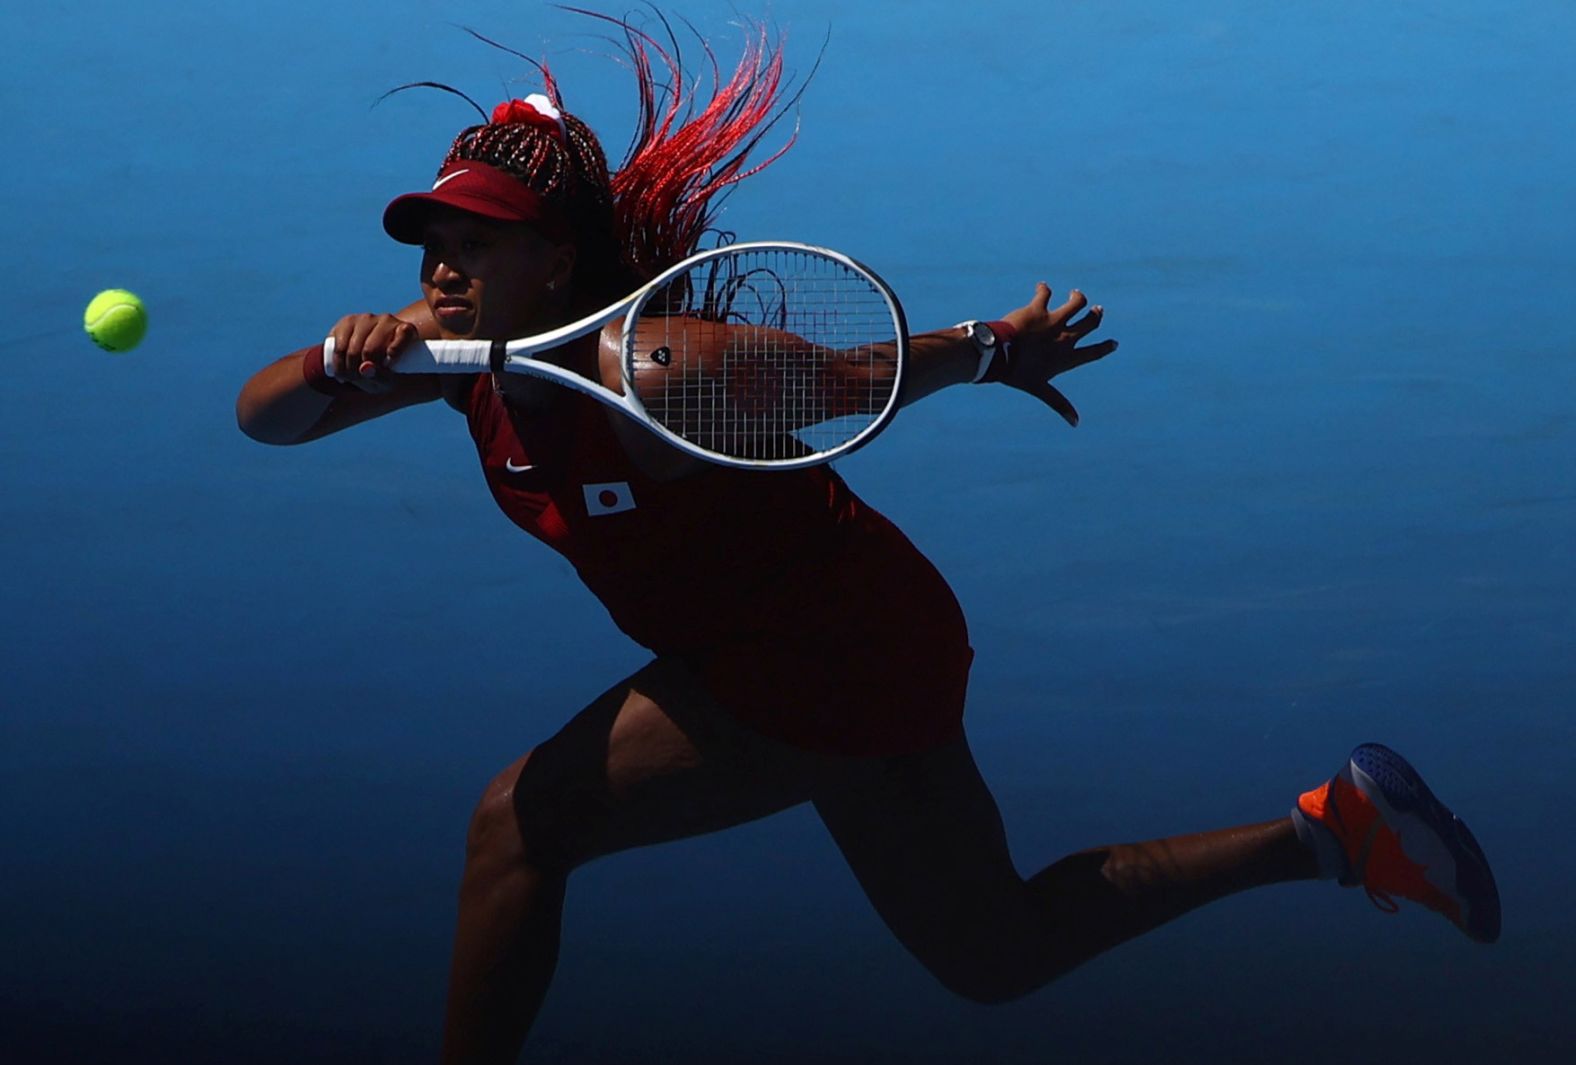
{"points": [[479, 189]]}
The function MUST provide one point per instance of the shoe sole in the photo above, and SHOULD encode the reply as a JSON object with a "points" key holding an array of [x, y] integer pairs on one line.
{"points": [[1430, 835]]}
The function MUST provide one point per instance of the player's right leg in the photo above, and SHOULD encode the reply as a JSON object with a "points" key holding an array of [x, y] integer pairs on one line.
{"points": [[923, 836]]}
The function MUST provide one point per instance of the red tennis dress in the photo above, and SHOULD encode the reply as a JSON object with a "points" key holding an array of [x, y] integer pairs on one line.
{"points": [[807, 614]]}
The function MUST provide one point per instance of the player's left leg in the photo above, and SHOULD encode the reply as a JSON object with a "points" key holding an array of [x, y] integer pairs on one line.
{"points": [[652, 759]]}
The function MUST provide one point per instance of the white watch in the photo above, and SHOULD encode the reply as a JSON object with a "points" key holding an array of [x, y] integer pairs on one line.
{"points": [[985, 339]]}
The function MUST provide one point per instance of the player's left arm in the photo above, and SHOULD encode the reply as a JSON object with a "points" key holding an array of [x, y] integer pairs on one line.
{"points": [[1047, 342]]}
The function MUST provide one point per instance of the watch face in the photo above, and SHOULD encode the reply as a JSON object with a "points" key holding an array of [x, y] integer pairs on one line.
{"points": [[984, 335]]}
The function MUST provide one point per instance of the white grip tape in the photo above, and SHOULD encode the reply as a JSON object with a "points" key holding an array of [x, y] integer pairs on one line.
{"points": [[440, 356], [328, 359]]}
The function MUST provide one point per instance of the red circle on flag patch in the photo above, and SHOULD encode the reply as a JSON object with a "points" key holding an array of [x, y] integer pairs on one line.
{"points": [[607, 497]]}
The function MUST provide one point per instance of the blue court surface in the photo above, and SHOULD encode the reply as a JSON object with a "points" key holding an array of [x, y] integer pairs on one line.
{"points": [[1325, 493]]}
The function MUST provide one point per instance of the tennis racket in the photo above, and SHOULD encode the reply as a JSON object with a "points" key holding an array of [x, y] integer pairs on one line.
{"points": [[759, 355]]}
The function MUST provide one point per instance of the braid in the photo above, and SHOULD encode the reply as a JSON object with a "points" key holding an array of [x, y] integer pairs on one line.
{"points": [[689, 151], [529, 153], [653, 212], [571, 175]]}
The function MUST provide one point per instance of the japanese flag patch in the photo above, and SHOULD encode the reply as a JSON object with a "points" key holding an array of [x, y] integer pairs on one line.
{"points": [[613, 497]]}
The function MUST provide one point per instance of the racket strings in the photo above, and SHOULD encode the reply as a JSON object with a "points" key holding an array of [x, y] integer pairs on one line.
{"points": [[770, 354]]}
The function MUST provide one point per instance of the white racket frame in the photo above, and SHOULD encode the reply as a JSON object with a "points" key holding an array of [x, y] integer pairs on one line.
{"points": [[520, 356]]}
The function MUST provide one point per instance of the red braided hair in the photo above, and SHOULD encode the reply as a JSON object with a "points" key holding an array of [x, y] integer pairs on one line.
{"points": [[664, 194], [631, 225]]}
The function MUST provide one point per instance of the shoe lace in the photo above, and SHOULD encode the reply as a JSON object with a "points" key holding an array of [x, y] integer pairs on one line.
{"points": [[1382, 901]]}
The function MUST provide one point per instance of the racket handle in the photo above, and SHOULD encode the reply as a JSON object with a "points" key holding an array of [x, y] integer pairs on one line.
{"points": [[419, 356], [328, 360]]}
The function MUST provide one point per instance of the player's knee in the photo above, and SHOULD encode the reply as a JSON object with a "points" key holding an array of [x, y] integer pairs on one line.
{"points": [[493, 836], [993, 977], [996, 986], [530, 814]]}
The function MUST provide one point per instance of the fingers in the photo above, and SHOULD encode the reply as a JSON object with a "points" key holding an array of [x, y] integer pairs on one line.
{"points": [[1076, 301], [1091, 353], [364, 344], [1061, 317], [1072, 331], [1088, 323], [1050, 395], [382, 343]]}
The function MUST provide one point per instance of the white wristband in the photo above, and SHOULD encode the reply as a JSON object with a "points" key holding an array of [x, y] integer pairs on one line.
{"points": [[987, 355]]}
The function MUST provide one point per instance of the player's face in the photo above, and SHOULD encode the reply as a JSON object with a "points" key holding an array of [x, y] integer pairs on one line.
{"points": [[490, 280]]}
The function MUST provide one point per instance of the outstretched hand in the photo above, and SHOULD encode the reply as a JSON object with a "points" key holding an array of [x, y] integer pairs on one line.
{"points": [[1046, 345]]}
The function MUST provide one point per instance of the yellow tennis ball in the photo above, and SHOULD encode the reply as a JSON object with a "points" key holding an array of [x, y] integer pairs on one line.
{"points": [[116, 320]]}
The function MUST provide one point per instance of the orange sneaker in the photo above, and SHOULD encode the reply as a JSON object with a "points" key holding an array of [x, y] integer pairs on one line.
{"points": [[1376, 824]]}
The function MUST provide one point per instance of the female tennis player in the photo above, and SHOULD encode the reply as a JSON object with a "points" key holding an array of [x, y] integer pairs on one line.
{"points": [[803, 650]]}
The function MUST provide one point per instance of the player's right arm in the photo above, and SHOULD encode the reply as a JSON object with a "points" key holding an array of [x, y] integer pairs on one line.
{"points": [[279, 405]]}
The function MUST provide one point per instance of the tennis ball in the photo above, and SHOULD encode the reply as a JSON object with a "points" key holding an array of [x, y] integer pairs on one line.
{"points": [[116, 320]]}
